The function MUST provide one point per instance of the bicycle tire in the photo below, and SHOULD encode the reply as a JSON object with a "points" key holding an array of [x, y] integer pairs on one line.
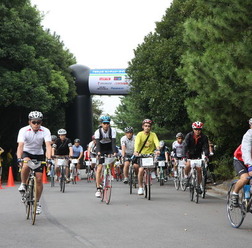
{"points": [[131, 179], [52, 177], [88, 174], [27, 201], [203, 184], [62, 180], [235, 215], [161, 177], [34, 201], [149, 185], [145, 184], [108, 188], [181, 176], [196, 186]]}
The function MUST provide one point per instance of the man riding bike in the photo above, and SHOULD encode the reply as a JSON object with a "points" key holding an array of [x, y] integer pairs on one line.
{"points": [[77, 153], [127, 144], [146, 142], [243, 164], [105, 138], [62, 148], [30, 146], [195, 144], [177, 148]]}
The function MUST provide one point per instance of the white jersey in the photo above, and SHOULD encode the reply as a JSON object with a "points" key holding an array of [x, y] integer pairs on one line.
{"points": [[105, 135], [33, 141], [246, 147], [178, 149], [129, 144]]}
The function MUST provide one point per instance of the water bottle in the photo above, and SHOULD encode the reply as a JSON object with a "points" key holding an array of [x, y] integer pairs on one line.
{"points": [[247, 191]]}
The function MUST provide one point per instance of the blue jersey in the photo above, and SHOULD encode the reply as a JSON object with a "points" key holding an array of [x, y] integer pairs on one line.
{"points": [[77, 150]]}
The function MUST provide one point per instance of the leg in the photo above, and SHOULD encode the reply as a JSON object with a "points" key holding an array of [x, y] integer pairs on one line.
{"points": [[140, 177], [98, 175], [126, 171], [241, 182], [39, 185]]}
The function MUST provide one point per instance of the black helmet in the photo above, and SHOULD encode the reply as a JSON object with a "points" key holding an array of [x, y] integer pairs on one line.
{"points": [[77, 141]]}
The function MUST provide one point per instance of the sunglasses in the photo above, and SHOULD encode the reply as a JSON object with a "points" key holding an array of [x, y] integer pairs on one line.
{"points": [[147, 125], [179, 138], [105, 123], [36, 122], [197, 129]]}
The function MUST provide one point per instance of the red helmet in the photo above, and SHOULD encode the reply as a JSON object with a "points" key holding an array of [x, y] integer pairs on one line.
{"points": [[147, 121], [197, 124]]}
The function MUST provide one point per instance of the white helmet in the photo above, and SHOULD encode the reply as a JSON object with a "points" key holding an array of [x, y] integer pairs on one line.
{"points": [[62, 132], [35, 115]]}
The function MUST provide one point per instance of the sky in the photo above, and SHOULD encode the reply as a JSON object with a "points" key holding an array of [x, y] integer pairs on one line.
{"points": [[102, 34]]}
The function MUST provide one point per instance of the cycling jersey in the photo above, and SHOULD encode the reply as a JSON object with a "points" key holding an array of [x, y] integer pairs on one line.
{"points": [[177, 149], [33, 140], [162, 157], [105, 141], [151, 144], [194, 146], [77, 150], [62, 146], [92, 147], [129, 144], [244, 151]]}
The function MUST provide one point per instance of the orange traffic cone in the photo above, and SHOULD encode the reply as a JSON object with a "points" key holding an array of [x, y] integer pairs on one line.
{"points": [[10, 182], [44, 177], [77, 178]]}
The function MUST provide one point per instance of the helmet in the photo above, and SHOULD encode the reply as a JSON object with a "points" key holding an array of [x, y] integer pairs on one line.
{"points": [[54, 137], [62, 132], [35, 115], [77, 141], [147, 121], [250, 121], [179, 135], [105, 119], [161, 143], [197, 124], [128, 129]]}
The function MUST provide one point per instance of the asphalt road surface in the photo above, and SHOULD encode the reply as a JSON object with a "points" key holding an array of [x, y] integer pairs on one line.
{"points": [[77, 218]]}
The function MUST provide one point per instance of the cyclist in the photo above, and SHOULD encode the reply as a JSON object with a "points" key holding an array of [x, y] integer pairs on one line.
{"points": [[92, 151], [243, 163], [30, 146], [145, 143], [177, 148], [195, 144], [77, 153], [105, 138], [62, 148], [127, 145], [163, 156]]}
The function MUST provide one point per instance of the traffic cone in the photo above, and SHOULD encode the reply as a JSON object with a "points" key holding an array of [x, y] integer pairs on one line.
{"points": [[10, 182], [44, 176]]}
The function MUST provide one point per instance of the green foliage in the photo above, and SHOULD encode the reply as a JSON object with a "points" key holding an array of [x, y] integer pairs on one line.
{"points": [[97, 111], [34, 70], [224, 169]]}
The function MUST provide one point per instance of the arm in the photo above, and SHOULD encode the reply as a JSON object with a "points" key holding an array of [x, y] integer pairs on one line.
{"points": [[48, 149], [185, 146], [70, 151], [246, 147], [206, 147], [20, 149]]}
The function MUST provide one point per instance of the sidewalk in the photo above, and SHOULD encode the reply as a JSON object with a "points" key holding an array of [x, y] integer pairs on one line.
{"points": [[220, 189]]}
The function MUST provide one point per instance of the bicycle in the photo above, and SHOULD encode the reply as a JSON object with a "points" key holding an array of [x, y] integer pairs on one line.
{"points": [[194, 186], [161, 165], [181, 174], [29, 197], [62, 163], [132, 176], [236, 215], [118, 170], [89, 171], [73, 170], [52, 174], [107, 179], [147, 162]]}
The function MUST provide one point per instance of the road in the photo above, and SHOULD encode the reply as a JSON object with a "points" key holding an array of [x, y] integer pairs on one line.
{"points": [[77, 219]]}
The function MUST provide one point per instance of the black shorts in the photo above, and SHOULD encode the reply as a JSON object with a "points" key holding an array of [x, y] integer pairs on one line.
{"points": [[239, 167], [37, 157]]}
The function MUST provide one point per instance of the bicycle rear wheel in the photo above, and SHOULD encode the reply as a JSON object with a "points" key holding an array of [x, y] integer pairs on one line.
{"points": [[33, 200], [235, 215]]}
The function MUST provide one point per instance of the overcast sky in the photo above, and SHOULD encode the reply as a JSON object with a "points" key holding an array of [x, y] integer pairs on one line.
{"points": [[102, 33]]}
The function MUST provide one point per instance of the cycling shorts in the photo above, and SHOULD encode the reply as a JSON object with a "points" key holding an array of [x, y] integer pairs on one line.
{"points": [[239, 167], [37, 157]]}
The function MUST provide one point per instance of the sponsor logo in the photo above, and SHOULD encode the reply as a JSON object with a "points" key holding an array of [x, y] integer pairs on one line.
{"points": [[104, 83], [104, 78], [122, 83], [117, 88], [117, 78], [102, 88]]}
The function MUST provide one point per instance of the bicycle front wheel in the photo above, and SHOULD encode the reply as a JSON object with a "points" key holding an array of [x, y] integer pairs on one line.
{"points": [[149, 185], [161, 177], [108, 188], [33, 202], [62, 180], [181, 178], [235, 215], [52, 176], [131, 179]]}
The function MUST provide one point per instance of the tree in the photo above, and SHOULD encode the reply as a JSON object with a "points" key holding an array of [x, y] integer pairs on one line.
{"points": [[217, 67], [34, 71]]}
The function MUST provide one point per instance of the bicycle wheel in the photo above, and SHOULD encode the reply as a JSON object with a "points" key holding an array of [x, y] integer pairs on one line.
{"points": [[181, 178], [52, 176], [27, 201], [203, 186], [108, 188], [145, 182], [62, 180], [191, 188], [161, 177], [88, 174], [149, 185], [177, 182], [131, 179], [33, 199], [235, 215], [196, 186]]}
